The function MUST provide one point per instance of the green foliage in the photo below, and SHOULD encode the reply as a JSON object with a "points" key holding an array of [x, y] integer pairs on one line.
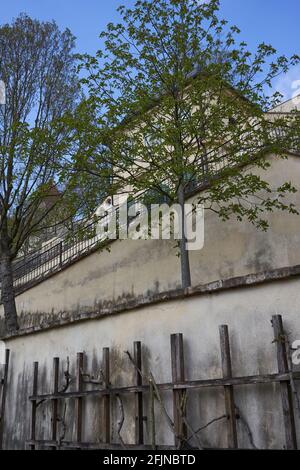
{"points": [[177, 99]]}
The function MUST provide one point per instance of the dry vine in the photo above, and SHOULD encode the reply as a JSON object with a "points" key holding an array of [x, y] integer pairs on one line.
{"points": [[121, 420], [181, 408]]}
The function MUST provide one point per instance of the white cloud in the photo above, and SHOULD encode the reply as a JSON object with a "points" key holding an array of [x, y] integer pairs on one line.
{"points": [[289, 84]]}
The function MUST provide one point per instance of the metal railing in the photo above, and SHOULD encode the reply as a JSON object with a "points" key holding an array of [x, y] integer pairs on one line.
{"points": [[54, 257]]}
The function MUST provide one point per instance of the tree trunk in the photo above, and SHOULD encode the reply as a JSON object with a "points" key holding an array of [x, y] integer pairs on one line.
{"points": [[7, 293], [184, 254]]}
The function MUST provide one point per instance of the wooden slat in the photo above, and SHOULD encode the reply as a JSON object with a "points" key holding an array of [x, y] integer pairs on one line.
{"points": [[79, 386], [285, 387], [34, 404], [139, 421], [189, 384], [228, 389], [55, 378], [106, 398], [151, 417], [3, 397], [178, 375], [96, 445]]}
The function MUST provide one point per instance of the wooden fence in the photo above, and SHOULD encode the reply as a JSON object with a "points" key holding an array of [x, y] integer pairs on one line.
{"points": [[144, 384]]}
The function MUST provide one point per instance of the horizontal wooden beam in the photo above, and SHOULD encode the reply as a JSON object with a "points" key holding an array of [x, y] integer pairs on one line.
{"points": [[96, 445], [188, 384]]}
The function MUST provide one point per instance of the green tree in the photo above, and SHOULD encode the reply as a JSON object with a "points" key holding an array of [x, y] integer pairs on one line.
{"points": [[180, 101], [37, 66]]}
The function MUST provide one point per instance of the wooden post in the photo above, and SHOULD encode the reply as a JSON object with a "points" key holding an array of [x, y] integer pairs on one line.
{"points": [[228, 389], [139, 422], [285, 387], [3, 397], [79, 386], [178, 375], [151, 419], [34, 403], [106, 398], [55, 378]]}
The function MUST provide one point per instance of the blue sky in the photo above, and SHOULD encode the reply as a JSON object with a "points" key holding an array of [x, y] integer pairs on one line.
{"points": [[271, 21]]}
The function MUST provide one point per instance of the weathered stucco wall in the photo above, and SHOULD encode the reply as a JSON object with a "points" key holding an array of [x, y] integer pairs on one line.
{"points": [[246, 310], [133, 273], [140, 268]]}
